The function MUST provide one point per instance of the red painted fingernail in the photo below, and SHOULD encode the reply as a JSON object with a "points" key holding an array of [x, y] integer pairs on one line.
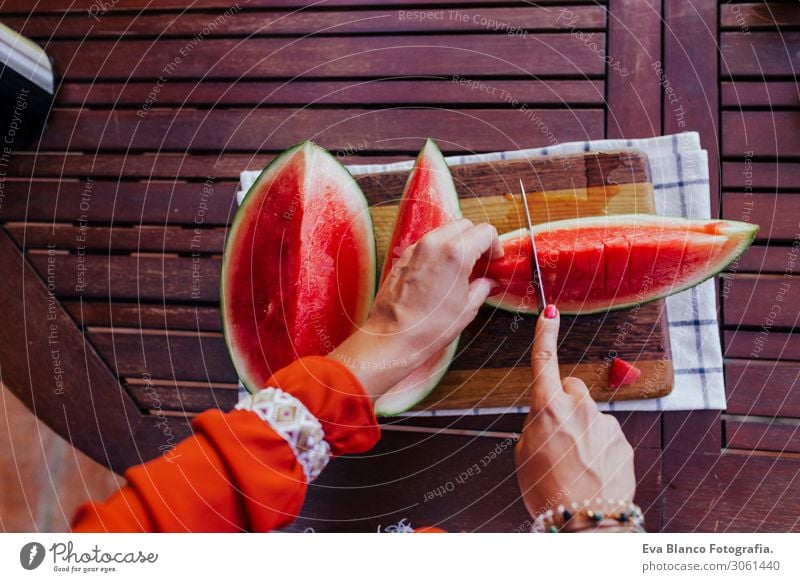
{"points": [[550, 312]]}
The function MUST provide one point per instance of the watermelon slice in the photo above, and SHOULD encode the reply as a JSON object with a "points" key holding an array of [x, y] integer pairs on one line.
{"points": [[622, 373], [429, 200], [597, 264], [298, 271]]}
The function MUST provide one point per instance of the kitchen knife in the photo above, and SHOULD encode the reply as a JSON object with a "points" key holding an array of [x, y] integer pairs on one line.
{"points": [[535, 268]]}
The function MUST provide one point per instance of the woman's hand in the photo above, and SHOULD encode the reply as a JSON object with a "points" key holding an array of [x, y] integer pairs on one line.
{"points": [[423, 306], [569, 451]]}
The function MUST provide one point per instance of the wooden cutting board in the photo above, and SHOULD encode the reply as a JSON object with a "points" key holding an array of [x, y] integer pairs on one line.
{"points": [[492, 366]]}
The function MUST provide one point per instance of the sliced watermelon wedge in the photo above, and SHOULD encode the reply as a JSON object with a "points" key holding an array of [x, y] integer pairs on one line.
{"points": [[597, 264], [429, 200], [298, 271], [622, 373]]}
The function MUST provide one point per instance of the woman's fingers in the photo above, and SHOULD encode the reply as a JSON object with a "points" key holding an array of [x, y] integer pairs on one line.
{"points": [[481, 239], [441, 235], [461, 241], [544, 360], [479, 290], [575, 387]]}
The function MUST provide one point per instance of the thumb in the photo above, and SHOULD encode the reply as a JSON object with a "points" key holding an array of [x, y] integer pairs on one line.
{"points": [[479, 290]]}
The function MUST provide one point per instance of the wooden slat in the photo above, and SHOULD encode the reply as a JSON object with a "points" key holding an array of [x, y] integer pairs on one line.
{"points": [[761, 345], [376, 92], [690, 77], [730, 493], [210, 202], [634, 40], [190, 397], [758, 53], [692, 431], [171, 166], [775, 214], [154, 165], [137, 278], [763, 259], [118, 238], [754, 15], [193, 356], [144, 315], [761, 133], [511, 422], [252, 23], [763, 388], [736, 94], [756, 300], [341, 131], [642, 429], [649, 486], [764, 175], [25, 6], [778, 435], [536, 54]]}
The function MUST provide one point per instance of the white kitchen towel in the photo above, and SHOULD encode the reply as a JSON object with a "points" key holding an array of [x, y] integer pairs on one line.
{"points": [[679, 169]]}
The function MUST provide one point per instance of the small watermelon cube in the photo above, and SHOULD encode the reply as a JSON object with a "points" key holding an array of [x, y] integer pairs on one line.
{"points": [[622, 373]]}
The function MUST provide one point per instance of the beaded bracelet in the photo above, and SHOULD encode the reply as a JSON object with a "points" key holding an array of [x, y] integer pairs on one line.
{"points": [[601, 513]]}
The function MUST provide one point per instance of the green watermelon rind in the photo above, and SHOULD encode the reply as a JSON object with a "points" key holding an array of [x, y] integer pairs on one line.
{"points": [[270, 170], [453, 207], [381, 409], [512, 303]]}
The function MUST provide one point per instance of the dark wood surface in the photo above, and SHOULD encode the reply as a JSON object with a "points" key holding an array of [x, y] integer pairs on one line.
{"points": [[259, 82]]}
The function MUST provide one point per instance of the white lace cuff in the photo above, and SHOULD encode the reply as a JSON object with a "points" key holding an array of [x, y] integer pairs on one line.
{"points": [[292, 420]]}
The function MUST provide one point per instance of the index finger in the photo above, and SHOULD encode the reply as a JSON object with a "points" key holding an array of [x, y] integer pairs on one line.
{"points": [[478, 240], [544, 358]]}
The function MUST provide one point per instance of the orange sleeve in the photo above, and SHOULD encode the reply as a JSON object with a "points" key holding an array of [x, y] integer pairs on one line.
{"points": [[237, 473]]}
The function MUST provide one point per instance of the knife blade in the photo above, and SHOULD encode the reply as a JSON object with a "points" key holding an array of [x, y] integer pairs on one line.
{"points": [[536, 270]]}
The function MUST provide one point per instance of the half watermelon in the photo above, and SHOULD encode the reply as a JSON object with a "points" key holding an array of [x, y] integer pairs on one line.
{"points": [[429, 200], [597, 264], [298, 271]]}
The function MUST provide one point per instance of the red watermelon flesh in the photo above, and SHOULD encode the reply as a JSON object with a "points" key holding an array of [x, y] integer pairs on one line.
{"points": [[622, 373], [429, 200], [616, 251], [603, 263], [298, 270]]}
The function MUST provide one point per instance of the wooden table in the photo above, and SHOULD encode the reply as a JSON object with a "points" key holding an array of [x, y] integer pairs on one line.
{"points": [[113, 223]]}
